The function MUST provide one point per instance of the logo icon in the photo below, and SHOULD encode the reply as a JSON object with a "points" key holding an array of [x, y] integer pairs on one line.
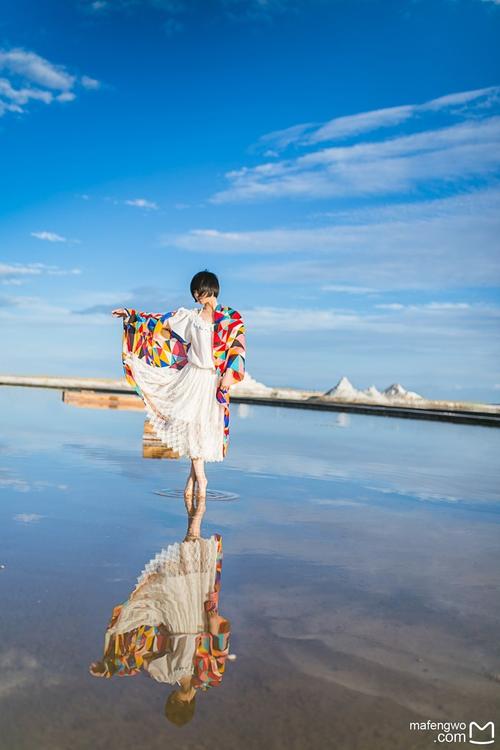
{"points": [[488, 728]]}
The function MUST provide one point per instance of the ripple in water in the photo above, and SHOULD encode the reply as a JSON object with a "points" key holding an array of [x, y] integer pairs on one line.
{"points": [[212, 495]]}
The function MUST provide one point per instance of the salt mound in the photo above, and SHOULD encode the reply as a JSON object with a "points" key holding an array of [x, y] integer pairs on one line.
{"points": [[251, 386], [343, 389], [374, 394], [289, 393], [396, 392]]}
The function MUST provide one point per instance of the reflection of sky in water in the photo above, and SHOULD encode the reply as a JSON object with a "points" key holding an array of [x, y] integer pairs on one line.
{"points": [[361, 572]]}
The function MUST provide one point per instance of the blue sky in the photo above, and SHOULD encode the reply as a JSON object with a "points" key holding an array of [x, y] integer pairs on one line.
{"points": [[335, 162]]}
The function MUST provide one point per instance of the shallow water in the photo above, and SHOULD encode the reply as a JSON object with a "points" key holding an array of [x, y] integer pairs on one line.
{"points": [[361, 577]]}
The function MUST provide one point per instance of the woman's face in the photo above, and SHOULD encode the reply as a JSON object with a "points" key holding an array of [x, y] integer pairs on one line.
{"points": [[202, 298]]}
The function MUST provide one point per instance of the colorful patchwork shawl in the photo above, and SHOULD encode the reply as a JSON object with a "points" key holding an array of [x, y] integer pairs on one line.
{"points": [[143, 336]]}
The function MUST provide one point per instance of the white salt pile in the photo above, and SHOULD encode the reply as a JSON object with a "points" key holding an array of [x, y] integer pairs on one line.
{"points": [[343, 391], [250, 386], [395, 393]]}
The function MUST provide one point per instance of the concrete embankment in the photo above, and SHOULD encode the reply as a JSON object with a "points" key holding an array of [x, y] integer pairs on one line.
{"points": [[117, 394]]}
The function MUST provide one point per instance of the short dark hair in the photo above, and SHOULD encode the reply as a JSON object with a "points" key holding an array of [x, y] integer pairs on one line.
{"points": [[205, 282], [179, 712]]}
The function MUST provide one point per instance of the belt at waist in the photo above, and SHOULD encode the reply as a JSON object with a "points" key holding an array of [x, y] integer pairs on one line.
{"points": [[200, 367]]}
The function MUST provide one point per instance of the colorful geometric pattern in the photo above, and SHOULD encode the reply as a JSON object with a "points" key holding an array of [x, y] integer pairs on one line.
{"points": [[142, 336], [212, 649], [126, 653]]}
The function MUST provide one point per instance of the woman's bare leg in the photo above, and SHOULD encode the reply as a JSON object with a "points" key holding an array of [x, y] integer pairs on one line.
{"points": [[189, 490], [194, 522], [201, 479]]}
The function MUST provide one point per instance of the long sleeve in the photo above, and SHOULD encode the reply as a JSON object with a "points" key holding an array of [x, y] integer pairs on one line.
{"points": [[144, 337], [180, 323], [236, 355]]}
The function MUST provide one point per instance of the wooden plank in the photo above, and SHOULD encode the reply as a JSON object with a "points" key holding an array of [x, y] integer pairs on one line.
{"points": [[93, 400], [152, 447]]}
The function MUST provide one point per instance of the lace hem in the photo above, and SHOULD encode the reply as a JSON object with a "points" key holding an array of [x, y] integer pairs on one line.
{"points": [[182, 558], [183, 410], [172, 432]]}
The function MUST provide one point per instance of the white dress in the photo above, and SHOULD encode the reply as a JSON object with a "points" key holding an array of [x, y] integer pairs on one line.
{"points": [[181, 404], [172, 590]]}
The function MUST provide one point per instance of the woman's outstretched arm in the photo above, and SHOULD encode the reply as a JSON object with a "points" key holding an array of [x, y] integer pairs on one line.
{"points": [[127, 312]]}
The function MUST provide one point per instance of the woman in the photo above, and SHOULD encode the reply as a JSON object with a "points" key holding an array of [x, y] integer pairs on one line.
{"points": [[182, 363], [170, 626]]}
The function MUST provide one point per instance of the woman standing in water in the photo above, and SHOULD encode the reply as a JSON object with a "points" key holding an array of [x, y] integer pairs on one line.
{"points": [[183, 363]]}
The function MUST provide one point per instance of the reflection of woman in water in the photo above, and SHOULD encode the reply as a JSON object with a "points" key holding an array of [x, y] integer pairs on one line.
{"points": [[183, 363], [170, 625]]}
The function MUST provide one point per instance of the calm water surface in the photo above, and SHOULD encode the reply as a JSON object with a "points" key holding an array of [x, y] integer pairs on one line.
{"points": [[361, 577]]}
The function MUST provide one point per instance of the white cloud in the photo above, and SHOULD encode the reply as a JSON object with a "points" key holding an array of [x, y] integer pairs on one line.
{"points": [[280, 139], [364, 122], [431, 306], [28, 308], [142, 203], [175, 9], [49, 236], [397, 165], [14, 274], [90, 83], [32, 77], [422, 320], [21, 671], [18, 484], [346, 289], [66, 96], [27, 517], [36, 69], [421, 245]]}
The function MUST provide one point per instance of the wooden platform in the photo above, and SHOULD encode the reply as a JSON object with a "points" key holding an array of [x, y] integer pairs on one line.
{"points": [[97, 400], [152, 447]]}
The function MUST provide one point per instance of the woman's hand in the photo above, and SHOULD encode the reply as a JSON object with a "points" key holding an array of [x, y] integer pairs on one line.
{"points": [[222, 394], [120, 312]]}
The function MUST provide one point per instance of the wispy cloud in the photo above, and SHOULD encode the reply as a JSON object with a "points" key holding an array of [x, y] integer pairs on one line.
{"points": [[15, 273], [49, 236], [18, 484], [472, 320], [33, 78], [22, 671], [142, 203], [452, 155], [364, 122], [422, 245], [430, 306], [346, 289], [27, 517], [173, 10], [90, 83]]}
